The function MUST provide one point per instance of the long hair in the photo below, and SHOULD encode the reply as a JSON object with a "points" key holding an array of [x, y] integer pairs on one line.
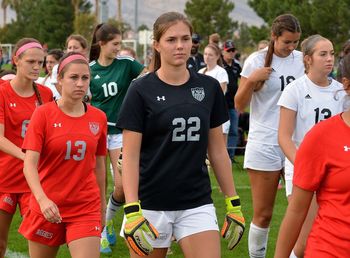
{"points": [[160, 26], [103, 32], [308, 47]]}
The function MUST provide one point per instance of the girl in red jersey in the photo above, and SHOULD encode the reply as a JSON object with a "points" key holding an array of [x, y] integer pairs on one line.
{"points": [[18, 100], [322, 166], [65, 169]]}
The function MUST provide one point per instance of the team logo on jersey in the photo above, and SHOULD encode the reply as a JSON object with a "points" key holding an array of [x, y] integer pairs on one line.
{"points": [[94, 127], [198, 93]]}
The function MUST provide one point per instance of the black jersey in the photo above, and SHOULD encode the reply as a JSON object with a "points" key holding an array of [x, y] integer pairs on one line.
{"points": [[233, 72], [174, 122]]}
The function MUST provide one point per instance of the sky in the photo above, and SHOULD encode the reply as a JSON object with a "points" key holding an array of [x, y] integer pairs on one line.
{"points": [[149, 10]]}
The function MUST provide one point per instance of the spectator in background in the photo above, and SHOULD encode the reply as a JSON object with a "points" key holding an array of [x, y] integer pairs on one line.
{"points": [[127, 51], [262, 44], [233, 70], [344, 52], [196, 60]]}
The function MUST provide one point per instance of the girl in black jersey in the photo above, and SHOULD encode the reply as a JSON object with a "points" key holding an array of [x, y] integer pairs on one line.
{"points": [[170, 118]]}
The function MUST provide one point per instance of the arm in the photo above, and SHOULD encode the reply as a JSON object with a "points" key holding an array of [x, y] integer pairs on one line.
{"points": [[223, 86], [293, 221], [100, 173], [248, 85], [30, 170], [131, 163], [285, 133], [8, 147], [220, 161]]}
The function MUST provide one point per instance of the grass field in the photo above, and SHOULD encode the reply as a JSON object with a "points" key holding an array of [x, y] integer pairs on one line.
{"points": [[17, 244]]}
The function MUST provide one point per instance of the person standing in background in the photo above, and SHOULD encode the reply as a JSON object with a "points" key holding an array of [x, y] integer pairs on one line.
{"points": [[196, 60], [233, 70]]}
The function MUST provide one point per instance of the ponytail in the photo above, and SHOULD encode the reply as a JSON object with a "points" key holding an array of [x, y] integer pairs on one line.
{"points": [[37, 94]]}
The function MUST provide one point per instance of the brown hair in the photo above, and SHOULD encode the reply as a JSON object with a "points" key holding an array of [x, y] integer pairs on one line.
{"points": [[103, 32], [160, 26], [214, 38], [18, 45], [83, 42], [284, 22], [308, 47], [77, 61], [217, 52]]}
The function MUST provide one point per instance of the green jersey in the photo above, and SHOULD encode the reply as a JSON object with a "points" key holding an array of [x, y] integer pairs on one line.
{"points": [[109, 85]]}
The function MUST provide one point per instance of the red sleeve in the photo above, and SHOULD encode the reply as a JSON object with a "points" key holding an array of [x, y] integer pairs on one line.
{"points": [[101, 149], [2, 108], [35, 134], [310, 161]]}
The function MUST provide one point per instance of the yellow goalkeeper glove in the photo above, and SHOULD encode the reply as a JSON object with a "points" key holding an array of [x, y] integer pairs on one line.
{"points": [[136, 228], [234, 223]]}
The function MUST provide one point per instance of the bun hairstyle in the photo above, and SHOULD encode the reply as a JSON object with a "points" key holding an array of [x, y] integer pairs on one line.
{"points": [[160, 26]]}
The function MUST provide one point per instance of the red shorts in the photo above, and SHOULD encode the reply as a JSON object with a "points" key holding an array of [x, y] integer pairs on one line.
{"points": [[36, 228], [9, 201]]}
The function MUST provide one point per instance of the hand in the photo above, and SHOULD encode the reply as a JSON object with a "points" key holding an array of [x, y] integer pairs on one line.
{"points": [[50, 210], [259, 76], [136, 228], [234, 223]]}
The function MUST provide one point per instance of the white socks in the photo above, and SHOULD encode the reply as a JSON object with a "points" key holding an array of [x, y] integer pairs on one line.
{"points": [[257, 241], [292, 255], [112, 207]]}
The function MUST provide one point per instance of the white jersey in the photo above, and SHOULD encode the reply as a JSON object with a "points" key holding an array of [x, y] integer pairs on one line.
{"points": [[48, 83], [218, 73], [312, 104], [264, 112]]}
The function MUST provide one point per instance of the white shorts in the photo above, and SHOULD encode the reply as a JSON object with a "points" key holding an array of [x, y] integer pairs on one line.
{"points": [[114, 141], [226, 127], [263, 157], [179, 224]]}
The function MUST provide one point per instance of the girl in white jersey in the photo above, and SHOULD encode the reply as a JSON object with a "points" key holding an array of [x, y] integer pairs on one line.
{"points": [[212, 58], [305, 102], [265, 74]]}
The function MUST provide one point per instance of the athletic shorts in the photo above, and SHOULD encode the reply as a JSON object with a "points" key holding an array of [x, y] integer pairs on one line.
{"points": [[36, 228], [226, 127], [179, 224], [263, 157], [114, 141], [9, 201]]}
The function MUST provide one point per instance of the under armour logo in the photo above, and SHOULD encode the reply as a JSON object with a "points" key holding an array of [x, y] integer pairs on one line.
{"points": [[57, 125], [12, 104], [97, 228], [346, 148], [161, 98]]}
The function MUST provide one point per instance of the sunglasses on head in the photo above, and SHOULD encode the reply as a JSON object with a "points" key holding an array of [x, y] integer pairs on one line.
{"points": [[231, 50]]}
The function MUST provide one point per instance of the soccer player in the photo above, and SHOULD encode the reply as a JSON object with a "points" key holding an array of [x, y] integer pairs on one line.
{"points": [[264, 76], [170, 118], [18, 100], [322, 166], [110, 79], [306, 101], [212, 58], [52, 59], [65, 168]]}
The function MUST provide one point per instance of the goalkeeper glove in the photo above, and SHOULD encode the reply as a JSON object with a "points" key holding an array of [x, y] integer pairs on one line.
{"points": [[136, 228], [234, 223]]}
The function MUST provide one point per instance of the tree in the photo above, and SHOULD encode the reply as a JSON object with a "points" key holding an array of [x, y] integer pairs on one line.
{"points": [[84, 25], [4, 5], [325, 17], [211, 16]]}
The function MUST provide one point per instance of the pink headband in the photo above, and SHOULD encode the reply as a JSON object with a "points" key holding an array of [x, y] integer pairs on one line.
{"points": [[27, 46], [70, 59]]}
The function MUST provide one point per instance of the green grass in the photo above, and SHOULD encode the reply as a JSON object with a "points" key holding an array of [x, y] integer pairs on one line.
{"points": [[18, 244]]}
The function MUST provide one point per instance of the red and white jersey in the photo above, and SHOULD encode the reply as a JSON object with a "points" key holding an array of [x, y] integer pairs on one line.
{"points": [[68, 147], [15, 114], [322, 165], [264, 111]]}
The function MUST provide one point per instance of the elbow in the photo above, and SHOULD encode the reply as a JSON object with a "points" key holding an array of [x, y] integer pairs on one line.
{"points": [[239, 106]]}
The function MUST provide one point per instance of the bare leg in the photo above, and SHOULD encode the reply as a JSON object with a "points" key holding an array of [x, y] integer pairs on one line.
{"points": [[85, 247], [38, 250], [5, 222]]}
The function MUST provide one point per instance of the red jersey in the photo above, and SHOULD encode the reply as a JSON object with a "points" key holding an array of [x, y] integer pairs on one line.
{"points": [[1, 81], [15, 114], [68, 147], [323, 165]]}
